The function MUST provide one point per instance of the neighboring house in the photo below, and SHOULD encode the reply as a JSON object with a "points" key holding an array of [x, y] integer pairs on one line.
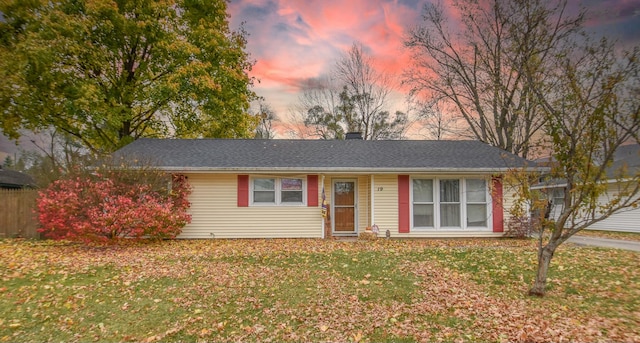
{"points": [[627, 160], [11, 179], [275, 188]]}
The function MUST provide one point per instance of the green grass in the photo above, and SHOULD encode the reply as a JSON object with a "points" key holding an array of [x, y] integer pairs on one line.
{"points": [[626, 236], [583, 278], [313, 290]]}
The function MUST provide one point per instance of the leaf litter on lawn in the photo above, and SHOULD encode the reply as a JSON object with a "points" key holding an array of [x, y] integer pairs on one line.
{"points": [[312, 290]]}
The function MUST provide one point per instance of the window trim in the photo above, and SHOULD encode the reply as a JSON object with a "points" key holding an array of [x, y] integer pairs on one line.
{"points": [[278, 192], [463, 203]]}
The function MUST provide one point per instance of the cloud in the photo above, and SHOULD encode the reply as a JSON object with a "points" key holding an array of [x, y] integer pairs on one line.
{"points": [[618, 20], [293, 41]]}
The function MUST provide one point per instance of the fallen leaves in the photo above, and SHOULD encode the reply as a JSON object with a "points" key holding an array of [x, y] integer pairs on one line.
{"points": [[313, 290]]}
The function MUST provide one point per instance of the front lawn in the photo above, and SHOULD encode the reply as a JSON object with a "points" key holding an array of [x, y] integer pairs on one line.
{"points": [[314, 290], [625, 236]]}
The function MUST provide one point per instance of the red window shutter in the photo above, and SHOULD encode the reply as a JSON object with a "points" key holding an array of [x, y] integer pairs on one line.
{"points": [[243, 190], [312, 190], [403, 204], [497, 206]]}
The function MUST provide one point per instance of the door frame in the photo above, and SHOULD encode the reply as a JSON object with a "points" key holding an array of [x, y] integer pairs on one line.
{"points": [[355, 207]]}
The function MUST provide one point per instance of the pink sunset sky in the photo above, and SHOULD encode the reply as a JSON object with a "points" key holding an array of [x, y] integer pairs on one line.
{"points": [[293, 41]]}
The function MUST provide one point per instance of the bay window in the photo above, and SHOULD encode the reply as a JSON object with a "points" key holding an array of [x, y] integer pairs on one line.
{"points": [[449, 203]]}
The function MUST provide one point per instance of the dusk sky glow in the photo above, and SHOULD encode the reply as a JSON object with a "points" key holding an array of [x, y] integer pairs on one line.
{"points": [[293, 41]]}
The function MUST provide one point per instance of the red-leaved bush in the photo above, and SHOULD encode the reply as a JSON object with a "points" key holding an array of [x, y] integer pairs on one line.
{"points": [[112, 206]]}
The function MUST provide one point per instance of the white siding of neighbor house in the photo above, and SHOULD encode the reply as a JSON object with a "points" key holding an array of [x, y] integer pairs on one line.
{"points": [[215, 213], [626, 221]]}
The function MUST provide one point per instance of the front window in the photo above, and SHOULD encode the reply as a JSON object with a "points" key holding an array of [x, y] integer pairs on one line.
{"points": [[291, 190], [476, 202], [449, 203], [423, 203], [264, 191], [277, 191]]}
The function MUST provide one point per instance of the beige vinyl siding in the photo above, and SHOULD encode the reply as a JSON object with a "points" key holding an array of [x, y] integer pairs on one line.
{"points": [[386, 203], [215, 213], [364, 189]]}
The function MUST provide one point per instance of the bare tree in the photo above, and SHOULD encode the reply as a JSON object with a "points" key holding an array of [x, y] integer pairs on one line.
{"points": [[55, 155], [435, 121], [266, 117], [355, 98], [478, 68], [319, 106], [594, 109], [368, 92], [522, 73]]}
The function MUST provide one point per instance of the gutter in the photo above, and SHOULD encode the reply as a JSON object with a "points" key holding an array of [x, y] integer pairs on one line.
{"points": [[342, 170], [564, 184]]}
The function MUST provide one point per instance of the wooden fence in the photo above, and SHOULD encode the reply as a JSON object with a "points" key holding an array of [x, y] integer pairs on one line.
{"points": [[17, 217]]}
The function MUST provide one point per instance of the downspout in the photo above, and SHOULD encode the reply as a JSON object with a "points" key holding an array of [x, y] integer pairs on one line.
{"points": [[373, 214]]}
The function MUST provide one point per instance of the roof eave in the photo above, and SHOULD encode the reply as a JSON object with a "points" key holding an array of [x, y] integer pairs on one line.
{"points": [[499, 170], [562, 184]]}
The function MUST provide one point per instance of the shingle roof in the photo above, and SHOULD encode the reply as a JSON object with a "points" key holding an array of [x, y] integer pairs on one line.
{"points": [[626, 163], [626, 157], [320, 155], [15, 179]]}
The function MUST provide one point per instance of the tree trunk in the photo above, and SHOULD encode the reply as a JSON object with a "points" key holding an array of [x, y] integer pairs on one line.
{"points": [[544, 259], [125, 129]]}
